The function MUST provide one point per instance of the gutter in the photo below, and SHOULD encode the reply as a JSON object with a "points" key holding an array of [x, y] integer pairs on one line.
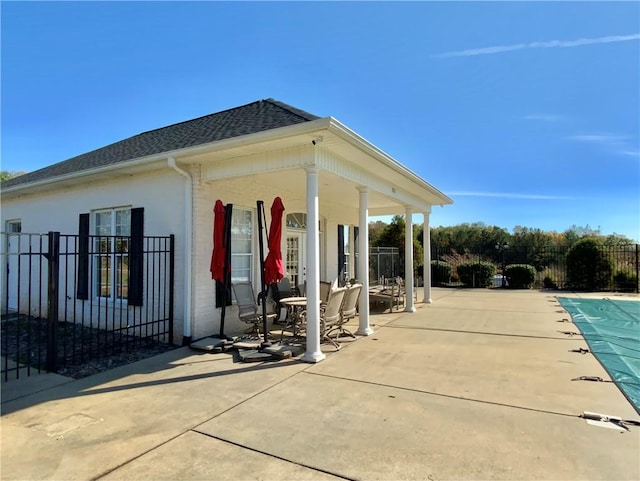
{"points": [[188, 247]]}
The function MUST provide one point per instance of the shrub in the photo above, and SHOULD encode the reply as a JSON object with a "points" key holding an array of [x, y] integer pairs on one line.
{"points": [[476, 274], [549, 283], [520, 276], [625, 281], [440, 272], [588, 266]]}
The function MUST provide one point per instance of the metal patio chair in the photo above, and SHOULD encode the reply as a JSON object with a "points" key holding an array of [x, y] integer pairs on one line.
{"points": [[325, 289], [349, 311], [330, 314], [249, 311]]}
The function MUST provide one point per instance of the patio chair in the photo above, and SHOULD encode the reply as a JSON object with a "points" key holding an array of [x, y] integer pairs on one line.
{"points": [[349, 310], [249, 311], [330, 314], [325, 289], [280, 290]]}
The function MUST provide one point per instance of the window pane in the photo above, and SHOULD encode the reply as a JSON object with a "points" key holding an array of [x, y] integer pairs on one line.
{"points": [[104, 276], [103, 223], [241, 268], [241, 245], [122, 277], [123, 222]]}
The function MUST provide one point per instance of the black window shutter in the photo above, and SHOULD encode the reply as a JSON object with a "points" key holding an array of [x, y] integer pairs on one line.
{"points": [[82, 291], [136, 257], [340, 252]]}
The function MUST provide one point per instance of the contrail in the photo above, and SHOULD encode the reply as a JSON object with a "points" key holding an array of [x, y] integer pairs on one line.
{"points": [[548, 44]]}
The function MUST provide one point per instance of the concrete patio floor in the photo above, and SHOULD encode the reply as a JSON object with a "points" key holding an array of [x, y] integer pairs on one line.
{"points": [[477, 385]]}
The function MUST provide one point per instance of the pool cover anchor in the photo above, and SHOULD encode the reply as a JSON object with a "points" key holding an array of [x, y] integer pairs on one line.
{"points": [[590, 378], [600, 419], [570, 333], [581, 350]]}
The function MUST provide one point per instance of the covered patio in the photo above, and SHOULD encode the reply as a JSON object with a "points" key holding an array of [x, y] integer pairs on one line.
{"points": [[335, 177]]}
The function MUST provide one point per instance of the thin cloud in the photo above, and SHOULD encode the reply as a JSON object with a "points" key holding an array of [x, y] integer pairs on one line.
{"points": [[630, 153], [599, 138], [548, 44], [510, 195], [543, 117], [617, 144]]}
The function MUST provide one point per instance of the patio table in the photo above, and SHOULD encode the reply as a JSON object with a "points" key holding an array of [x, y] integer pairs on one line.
{"points": [[297, 307]]}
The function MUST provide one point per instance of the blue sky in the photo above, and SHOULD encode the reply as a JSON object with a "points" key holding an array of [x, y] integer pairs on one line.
{"points": [[525, 113]]}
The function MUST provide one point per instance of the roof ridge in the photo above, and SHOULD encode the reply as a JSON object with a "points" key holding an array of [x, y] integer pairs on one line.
{"points": [[303, 114]]}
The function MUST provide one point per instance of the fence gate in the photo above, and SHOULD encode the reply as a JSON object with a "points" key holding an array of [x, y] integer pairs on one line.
{"points": [[67, 300]]}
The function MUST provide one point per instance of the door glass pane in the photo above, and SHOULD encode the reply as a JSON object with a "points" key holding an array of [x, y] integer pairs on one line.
{"points": [[293, 259]]}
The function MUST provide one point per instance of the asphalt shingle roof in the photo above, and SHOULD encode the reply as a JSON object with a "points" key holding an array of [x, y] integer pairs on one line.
{"points": [[247, 119]]}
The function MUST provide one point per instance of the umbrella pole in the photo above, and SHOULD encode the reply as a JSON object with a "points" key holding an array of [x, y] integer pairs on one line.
{"points": [[263, 288], [227, 266]]}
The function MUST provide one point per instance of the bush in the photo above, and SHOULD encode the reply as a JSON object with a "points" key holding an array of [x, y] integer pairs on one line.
{"points": [[549, 283], [440, 272], [625, 281], [476, 274], [588, 266], [520, 276]]}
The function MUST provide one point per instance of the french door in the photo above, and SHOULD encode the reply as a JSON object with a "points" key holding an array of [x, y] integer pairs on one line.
{"points": [[296, 256]]}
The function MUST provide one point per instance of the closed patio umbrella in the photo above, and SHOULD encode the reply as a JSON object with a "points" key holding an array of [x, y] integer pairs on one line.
{"points": [[218, 254], [273, 266], [220, 266]]}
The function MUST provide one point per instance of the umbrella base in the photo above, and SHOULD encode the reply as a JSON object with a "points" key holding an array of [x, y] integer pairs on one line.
{"points": [[209, 344]]}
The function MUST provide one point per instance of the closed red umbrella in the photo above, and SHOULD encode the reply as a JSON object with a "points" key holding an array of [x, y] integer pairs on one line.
{"points": [[219, 251], [273, 266]]}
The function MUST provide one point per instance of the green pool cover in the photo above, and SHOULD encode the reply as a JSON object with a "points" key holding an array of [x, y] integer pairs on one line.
{"points": [[612, 330]]}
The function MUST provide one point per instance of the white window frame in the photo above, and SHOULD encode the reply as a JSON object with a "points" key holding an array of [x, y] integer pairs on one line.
{"points": [[117, 291]]}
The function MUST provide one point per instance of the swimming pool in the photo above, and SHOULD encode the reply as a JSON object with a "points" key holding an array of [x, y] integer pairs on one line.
{"points": [[611, 328]]}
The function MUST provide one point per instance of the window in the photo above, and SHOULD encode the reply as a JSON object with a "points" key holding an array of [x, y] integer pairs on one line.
{"points": [[241, 245], [111, 251], [14, 226]]}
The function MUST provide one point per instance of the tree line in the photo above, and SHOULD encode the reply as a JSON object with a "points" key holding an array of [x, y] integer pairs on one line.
{"points": [[479, 237]]}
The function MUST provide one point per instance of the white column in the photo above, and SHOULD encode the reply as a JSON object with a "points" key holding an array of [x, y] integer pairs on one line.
{"points": [[363, 264], [313, 352], [426, 243], [408, 261]]}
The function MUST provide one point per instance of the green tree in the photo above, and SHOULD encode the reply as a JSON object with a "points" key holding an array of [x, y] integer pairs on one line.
{"points": [[6, 175], [531, 246], [375, 231], [589, 267]]}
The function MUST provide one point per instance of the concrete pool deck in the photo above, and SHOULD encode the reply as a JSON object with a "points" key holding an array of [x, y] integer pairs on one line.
{"points": [[475, 386]]}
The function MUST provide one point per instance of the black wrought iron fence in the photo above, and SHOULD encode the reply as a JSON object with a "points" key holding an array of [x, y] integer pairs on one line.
{"points": [[384, 263], [618, 266], [70, 299]]}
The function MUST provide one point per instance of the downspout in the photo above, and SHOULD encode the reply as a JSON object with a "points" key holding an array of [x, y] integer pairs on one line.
{"points": [[188, 247]]}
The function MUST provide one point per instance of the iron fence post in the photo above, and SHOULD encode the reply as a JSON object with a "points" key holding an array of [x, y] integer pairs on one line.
{"points": [[172, 263], [52, 256]]}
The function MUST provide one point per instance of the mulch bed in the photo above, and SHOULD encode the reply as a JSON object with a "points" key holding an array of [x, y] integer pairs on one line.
{"points": [[82, 351]]}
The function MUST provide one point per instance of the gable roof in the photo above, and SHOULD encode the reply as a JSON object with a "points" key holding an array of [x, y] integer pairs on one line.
{"points": [[247, 119]]}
